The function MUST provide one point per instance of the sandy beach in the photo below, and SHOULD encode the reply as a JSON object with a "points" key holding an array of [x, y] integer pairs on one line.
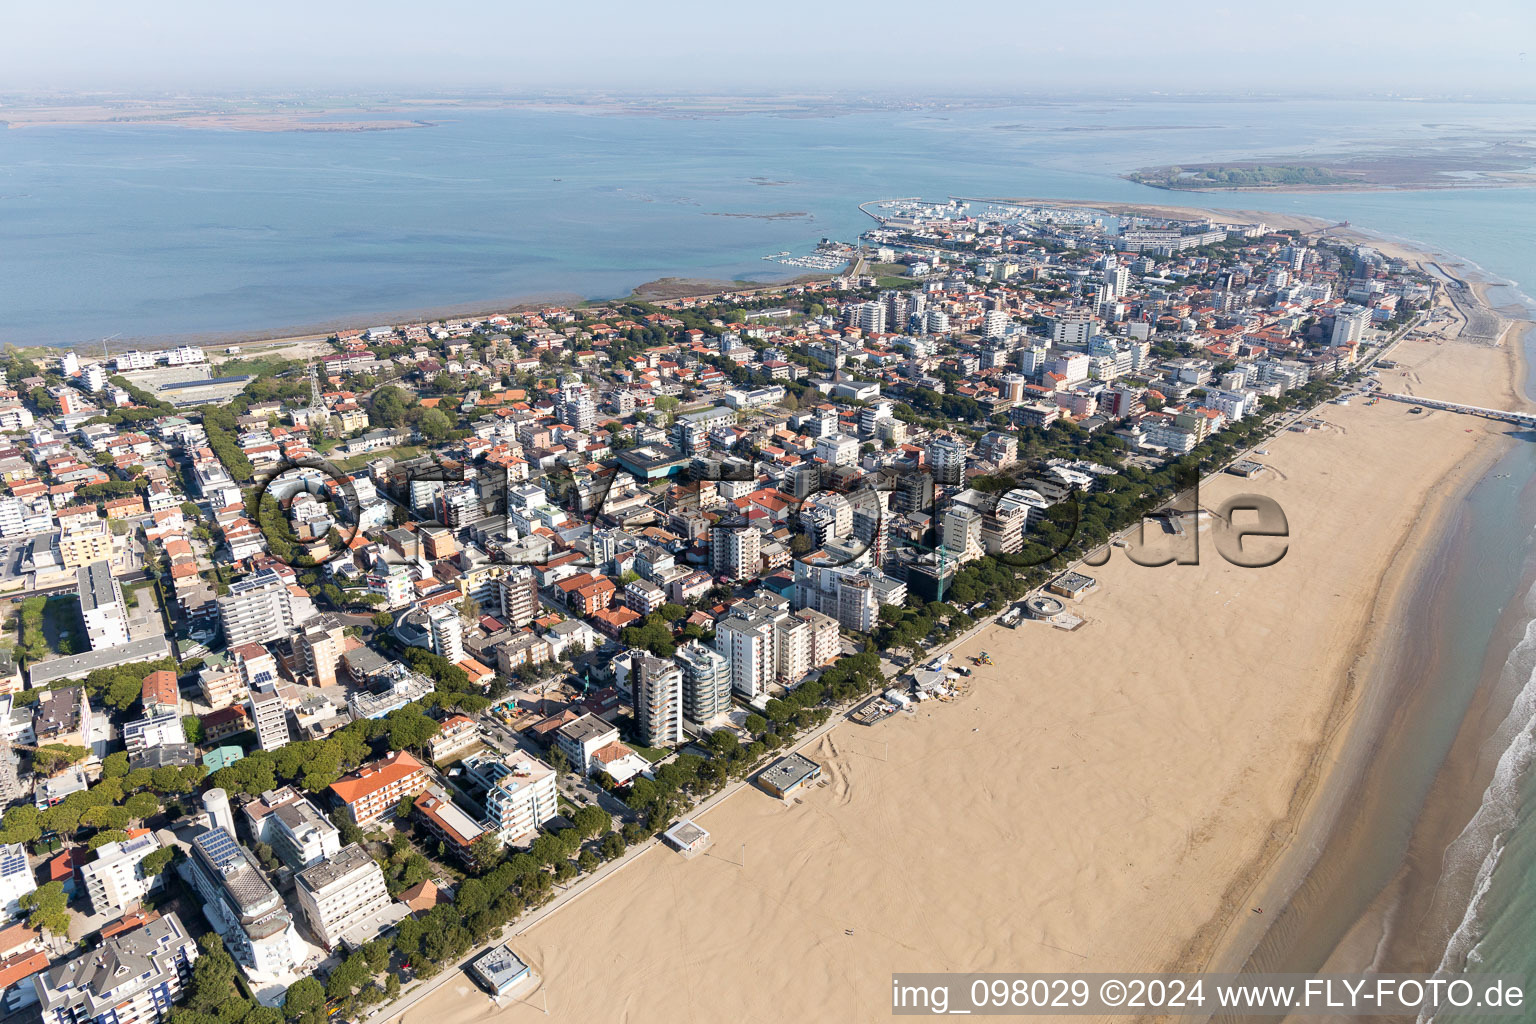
{"points": [[1119, 797]]}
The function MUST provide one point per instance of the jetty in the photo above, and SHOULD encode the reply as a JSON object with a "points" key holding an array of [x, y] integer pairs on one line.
{"points": [[1523, 419]]}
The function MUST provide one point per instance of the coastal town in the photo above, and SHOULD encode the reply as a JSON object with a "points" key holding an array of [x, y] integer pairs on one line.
{"points": [[325, 675]]}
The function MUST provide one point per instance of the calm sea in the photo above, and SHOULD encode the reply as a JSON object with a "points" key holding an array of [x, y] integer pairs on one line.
{"points": [[157, 232]]}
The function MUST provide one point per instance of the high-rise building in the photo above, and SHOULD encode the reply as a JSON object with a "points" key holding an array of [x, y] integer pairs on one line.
{"points": [[826, 637], [961, 533], [747, 644], [946, 460], [1117, 281], [459, 505], [1349, 325], [868, 317], [734, 548], [447, 632], [345, 896], [242, 905], [791, 649], [101, 605], [575, 406], [270, 713], [914, 493], [1071, 330], [319, 645], [257, 608], [706, 682], [519, 594], [657, 688], [132, 978]]}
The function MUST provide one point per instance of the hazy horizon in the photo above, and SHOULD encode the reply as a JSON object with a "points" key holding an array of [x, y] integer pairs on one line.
{"points": [[898, 48]]}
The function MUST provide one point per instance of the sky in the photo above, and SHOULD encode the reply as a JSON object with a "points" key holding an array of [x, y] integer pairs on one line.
{"points": [[1411, 47]]}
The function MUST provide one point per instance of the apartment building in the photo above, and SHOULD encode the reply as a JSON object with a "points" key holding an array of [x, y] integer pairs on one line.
{"points": [[656, 687], [706, 682], [946, 460], [298, 833], [520, 794], [132, 978], [65, 716], [319, 645], [160, 693], [115, 881], [455, 736], [345, 897], [447, 632], [84, 540], [257, 608], [747, 644], [735, 549], [242, 905], [153, 731], [582, 738], [519, 595], [374, 790], [270, 714], [221, 688], [826, 639], [101, 605]]}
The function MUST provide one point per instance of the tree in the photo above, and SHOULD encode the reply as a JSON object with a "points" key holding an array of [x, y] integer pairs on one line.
{"points": [[193, 727], [114, 766], [158, 861], [591, 821], [352, 973], [485, 851], [21, 825], [304, 996], [409, 729], [53, 757], [47, 908], [350, 833], [213, 976], [547, 849], [756, 724], [383, 620], [377, 955], [723, 742], [558, 759], [390, 405], [434, 426]]}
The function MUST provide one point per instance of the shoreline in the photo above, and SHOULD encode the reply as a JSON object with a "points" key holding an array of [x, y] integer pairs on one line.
{"points": [[655, 290], [1375, 937], [1261, 799]]}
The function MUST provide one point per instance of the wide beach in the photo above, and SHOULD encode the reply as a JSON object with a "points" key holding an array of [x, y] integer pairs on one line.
{"points": [[1120, 797]]}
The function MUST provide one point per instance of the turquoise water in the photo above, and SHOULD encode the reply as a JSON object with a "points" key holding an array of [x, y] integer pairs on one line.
{"points": [[155, 232]]}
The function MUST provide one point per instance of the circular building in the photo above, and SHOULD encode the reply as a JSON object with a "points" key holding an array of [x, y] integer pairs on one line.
{"points": [[1043, 606]]}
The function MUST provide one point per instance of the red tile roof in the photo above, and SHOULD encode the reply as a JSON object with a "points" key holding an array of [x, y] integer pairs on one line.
{"points": [[375, 776]]}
